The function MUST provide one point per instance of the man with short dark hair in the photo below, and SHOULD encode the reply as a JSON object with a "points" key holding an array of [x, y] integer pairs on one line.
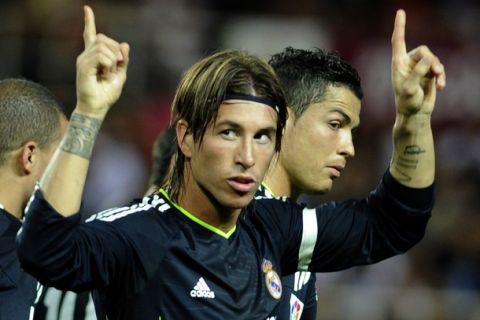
{"points": [[32, 122], [323, 94]]}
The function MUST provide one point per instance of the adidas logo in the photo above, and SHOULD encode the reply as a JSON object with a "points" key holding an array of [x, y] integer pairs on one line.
{"points": [[201, 290]]}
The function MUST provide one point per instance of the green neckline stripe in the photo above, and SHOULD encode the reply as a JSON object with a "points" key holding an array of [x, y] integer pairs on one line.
{"points": [[197, 220]]}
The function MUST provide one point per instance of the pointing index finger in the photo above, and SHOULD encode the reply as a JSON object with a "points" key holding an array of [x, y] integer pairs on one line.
{"points": [[399, 47], [89, 32]]}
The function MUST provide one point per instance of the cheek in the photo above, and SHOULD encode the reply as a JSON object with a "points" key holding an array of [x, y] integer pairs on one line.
{"points": [[313, 139], [264, 158], [314, 147], [210, 157], [325, 137]]}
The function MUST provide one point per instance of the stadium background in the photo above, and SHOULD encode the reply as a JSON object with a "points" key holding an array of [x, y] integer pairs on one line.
{"points": [[438, 279]]}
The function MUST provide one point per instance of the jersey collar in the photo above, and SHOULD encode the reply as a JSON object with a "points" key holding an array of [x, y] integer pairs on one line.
{"points": [[197, 220]]}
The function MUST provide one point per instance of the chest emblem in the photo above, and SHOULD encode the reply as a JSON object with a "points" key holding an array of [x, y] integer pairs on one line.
{"points": [[202, 290], [272, 280]]}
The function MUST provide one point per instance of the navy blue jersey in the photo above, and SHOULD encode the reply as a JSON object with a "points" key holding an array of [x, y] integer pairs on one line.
{"points": [[299, 296], [152, 259], [17, 288]]}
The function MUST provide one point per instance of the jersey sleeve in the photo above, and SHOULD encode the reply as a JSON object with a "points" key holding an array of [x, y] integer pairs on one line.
{"points": [[391, 220], [64, 253], [339, 235]]}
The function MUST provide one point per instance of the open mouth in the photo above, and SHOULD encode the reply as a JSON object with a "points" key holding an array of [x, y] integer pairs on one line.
{"points": [[242, 184]]}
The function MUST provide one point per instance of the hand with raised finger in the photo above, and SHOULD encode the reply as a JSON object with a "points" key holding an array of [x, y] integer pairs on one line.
{"points": [[101, 70], [416, 75]]}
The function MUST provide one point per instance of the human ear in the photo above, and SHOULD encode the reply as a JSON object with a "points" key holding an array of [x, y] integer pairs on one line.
{"points": [[184, 138], [28, 157]]}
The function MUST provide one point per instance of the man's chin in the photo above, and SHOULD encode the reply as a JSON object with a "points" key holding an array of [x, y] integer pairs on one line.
{"points": [[320, 190], [240, 201]]}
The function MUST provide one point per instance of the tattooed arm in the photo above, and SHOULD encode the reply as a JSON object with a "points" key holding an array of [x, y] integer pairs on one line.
{"points": [[416, 76], [101, 73]]}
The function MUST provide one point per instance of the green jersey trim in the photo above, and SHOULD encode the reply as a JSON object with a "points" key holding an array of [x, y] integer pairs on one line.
{"points": [[197, 220]]}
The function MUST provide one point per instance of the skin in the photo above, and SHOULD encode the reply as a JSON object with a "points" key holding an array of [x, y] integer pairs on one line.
{"points": [[23, 169], [101, 74], [238, 150], [416, 77], [316, 145]]}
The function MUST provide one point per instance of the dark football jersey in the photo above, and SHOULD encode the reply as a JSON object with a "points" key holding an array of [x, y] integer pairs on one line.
{"points": [[299, 296], [152, 259], [17, 288], [54, 304]]}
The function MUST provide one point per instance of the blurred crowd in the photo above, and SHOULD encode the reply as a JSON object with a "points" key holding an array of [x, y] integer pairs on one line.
{"points": [[438, 279]]}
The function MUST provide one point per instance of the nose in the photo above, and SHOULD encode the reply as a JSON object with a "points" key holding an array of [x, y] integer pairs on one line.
{"points": [[245, 153], [347, 148]]}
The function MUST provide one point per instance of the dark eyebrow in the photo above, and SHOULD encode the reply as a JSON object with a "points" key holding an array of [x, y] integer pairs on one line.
{"points": [[268, 130], [228, 123], [348, 120]]}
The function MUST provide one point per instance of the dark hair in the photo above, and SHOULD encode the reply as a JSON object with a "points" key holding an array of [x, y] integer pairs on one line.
{"points": [[28, 112], [203, 88], [305, 75], [164, 149]]}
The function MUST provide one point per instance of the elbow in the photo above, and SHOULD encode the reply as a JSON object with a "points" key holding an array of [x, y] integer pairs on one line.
{"points": [[37, 257], [411, 237]]}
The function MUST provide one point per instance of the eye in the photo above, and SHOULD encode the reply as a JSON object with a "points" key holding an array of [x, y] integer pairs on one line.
{"points": [[263, 138], [335, 124], [229, 134]]}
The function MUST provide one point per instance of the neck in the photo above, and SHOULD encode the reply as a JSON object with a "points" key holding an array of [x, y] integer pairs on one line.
{"points": [[15, 188], [201, 204], [12, 202], [278, 181]]}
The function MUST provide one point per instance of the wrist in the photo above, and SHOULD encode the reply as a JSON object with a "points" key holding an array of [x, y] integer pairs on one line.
{"points": [[405, 123], [81, 134], [87, 111]]}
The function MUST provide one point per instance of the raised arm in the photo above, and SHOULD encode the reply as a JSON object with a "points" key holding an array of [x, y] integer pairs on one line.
{"points": [[101, 74], [416, 77]]}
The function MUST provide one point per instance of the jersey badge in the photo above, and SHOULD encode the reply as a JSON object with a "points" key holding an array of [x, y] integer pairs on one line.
{"points": [[272, 280], [296, 307]]}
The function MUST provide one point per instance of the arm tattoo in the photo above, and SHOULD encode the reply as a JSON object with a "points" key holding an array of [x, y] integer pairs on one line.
{"points": [[409, 159], [413, 149], [81, 135], [406, 162], [404, 176]]}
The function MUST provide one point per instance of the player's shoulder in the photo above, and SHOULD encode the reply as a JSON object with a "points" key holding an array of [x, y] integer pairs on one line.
{"points": [[139, 207], [275, 207], [265, 195]]}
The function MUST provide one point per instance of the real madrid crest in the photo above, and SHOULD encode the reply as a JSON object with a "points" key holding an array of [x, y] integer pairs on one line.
{"points": [[272, 280]]}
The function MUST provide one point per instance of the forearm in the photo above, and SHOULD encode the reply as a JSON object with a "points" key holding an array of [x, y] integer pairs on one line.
{"points": [[64, 179], [413, 159], [390, 221]]}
